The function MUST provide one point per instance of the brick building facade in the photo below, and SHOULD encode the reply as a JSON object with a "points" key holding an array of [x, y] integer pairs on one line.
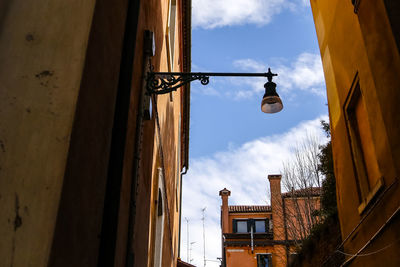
{"points": [[259, 236]]}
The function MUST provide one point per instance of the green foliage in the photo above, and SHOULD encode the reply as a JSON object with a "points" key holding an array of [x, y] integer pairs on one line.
{"points": [[326, 128], [325, 235], [328, 198], [318, 248]]}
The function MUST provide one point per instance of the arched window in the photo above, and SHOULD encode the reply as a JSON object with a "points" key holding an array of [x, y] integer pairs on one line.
{"points": [[158, 246]]}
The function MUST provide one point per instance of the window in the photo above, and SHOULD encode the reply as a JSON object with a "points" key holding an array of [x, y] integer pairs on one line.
{"points": [[362, 145], [245, 225], [160, 207], [264, 260], [242, 226], [170, 36], [159, 222], [260, 226], [171, 33]]}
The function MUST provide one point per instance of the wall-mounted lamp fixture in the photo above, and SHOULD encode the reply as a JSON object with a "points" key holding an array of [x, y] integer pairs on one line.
{"points": [[356, 4], [166, 82]]}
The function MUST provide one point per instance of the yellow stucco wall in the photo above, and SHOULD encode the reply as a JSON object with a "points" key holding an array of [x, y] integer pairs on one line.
{"points": [[41, 62], [170, 112], [360, 48]]}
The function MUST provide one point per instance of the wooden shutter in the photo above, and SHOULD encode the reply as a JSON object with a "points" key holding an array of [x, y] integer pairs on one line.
{"points": [[251, 222], [234, 225]]}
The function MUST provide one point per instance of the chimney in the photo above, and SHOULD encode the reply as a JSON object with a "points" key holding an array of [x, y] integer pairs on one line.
{"points": [[224, 193], [276, 206]]}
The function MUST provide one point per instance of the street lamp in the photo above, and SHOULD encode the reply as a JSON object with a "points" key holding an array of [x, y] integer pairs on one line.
{"points": [[271, 102], [165, 82]]}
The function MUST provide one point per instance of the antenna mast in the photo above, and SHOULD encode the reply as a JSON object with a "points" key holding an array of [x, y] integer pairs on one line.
{"points": [[204, 237], [187, 240], [190, 252]]}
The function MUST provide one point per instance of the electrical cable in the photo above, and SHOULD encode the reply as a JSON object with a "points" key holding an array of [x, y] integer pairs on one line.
{"points": [[370, 253]]}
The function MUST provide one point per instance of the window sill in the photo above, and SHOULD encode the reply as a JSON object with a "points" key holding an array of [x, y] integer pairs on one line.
{"points": [[371, 196]]}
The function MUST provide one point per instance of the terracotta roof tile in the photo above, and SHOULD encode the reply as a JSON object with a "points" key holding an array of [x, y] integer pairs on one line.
{"points": [[245, 208]]}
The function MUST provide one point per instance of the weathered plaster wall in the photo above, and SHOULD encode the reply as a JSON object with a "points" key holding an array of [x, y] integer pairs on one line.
{"points": [[42, 55], [65, 73], [78, 229]]}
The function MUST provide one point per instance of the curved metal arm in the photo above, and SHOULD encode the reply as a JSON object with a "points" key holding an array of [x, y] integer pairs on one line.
{"points": [[160, 83], [166, 82]]}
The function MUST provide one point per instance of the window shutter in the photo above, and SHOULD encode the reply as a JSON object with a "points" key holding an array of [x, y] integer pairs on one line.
{"points": [[160, 209], [234, 225], [266, 225]]}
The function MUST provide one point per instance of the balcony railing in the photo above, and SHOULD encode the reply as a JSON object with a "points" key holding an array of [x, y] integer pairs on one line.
{"points": [[244, 239], [243, 236]]}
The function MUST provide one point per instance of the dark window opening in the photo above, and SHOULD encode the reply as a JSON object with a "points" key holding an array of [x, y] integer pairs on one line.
{"points": [[245, 225], [160, 203], [264, 260]]}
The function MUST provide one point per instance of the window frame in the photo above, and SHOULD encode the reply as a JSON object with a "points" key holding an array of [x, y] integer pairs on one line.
{"points": [[354, 139], [365, 190], [171, 33], [235, 225], [265, 221], [249, 222], [268, 255]]}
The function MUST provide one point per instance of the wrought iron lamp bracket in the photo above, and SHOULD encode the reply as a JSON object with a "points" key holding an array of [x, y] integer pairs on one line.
{"points": [[166, 82]]}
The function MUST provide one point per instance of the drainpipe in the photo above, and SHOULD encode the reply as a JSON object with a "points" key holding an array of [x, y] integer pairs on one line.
{"points": [[180, 209], [252, 238]]}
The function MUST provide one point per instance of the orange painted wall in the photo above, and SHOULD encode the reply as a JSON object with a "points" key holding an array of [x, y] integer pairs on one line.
{"points": [[154, 16], [237, 256], [243, 256], [361, 48]]}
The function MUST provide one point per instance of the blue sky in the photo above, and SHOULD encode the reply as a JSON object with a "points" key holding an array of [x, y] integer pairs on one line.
{"points": [[232, 143]]}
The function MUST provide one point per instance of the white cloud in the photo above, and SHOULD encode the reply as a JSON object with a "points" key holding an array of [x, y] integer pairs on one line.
{"points": [[205, 90], [304, 74], [211, 14], [243, 170]]}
